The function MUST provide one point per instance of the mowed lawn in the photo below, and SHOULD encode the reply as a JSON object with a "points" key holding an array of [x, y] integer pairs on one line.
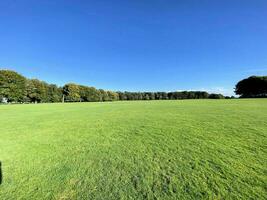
{"points": [[187, 149]]}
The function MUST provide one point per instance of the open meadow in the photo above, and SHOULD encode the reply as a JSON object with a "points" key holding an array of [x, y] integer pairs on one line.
{"points": [[188, 149]]}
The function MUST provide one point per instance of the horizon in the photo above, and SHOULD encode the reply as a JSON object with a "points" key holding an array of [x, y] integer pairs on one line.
{"points": [[136, 46]]}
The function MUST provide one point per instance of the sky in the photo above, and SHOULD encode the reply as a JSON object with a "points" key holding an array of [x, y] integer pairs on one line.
{"points": [[136, 45]]}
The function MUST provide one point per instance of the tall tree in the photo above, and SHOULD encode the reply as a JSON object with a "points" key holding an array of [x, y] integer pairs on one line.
{"points": [[12, 86], [253, 86]]}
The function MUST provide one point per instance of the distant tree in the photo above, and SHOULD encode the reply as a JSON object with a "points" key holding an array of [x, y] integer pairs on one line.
{"points": [[122, 96], [140, 96], [187, 95], [83, 92], [146, 96], [253, 86], [54, 93], [37, 91], [158, 95], [216, 96], [113, 96], [31, 94], [129, 95], [12, 86], [191, 95], [71, 92], [170, 95], [93, 94], [16, 88], [164, 95], [104, 95], [201, 95], [175, 95], [135, 95], [151, 95], [184, 95]]}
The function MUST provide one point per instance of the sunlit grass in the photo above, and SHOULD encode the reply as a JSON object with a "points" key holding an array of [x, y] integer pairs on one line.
{"points": [[191, 149]]}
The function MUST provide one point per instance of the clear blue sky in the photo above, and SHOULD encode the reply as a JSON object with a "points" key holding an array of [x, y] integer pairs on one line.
{"points": [[136, 45]]}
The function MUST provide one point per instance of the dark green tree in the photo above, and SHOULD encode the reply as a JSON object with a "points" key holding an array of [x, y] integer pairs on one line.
{"points": [[253, 86], [216, 96]]}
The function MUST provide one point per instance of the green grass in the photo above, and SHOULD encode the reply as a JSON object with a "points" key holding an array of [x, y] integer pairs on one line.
{"points": [[190, 149]]}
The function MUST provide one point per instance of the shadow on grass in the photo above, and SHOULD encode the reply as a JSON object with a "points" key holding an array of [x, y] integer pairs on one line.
{"points": [[1, 175]]}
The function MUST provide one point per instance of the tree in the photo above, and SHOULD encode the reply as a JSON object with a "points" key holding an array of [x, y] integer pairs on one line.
{"points": [[54, 93], [113, 96], [37, 91], [164, 95], [151, 95], [12, 86], [161, 95], [83, 92], [129, 95], [71, 92], [90, 94], [16, 88], [146, 96], [216, 96], [30, 92], [95, 95], [122, 96], [201, 95], [103, 95], [253, 86]]}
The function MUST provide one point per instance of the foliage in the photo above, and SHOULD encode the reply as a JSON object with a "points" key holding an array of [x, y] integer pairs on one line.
{"points": [[72, 92], [89, 94], [12, 86], [21, 89], [104, 95], [54, 93], [253, 86], [216, 96], [113, 96], [37, 91]]}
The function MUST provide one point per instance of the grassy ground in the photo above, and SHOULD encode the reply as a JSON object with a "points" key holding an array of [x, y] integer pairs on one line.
{"points": [[191, 149]]}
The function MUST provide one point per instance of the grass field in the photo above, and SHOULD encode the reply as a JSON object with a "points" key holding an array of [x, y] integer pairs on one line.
{"points": [[190, 149]]}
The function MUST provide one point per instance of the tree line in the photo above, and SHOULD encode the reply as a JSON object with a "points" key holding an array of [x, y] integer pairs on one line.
{"points": [[16, 88]]}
